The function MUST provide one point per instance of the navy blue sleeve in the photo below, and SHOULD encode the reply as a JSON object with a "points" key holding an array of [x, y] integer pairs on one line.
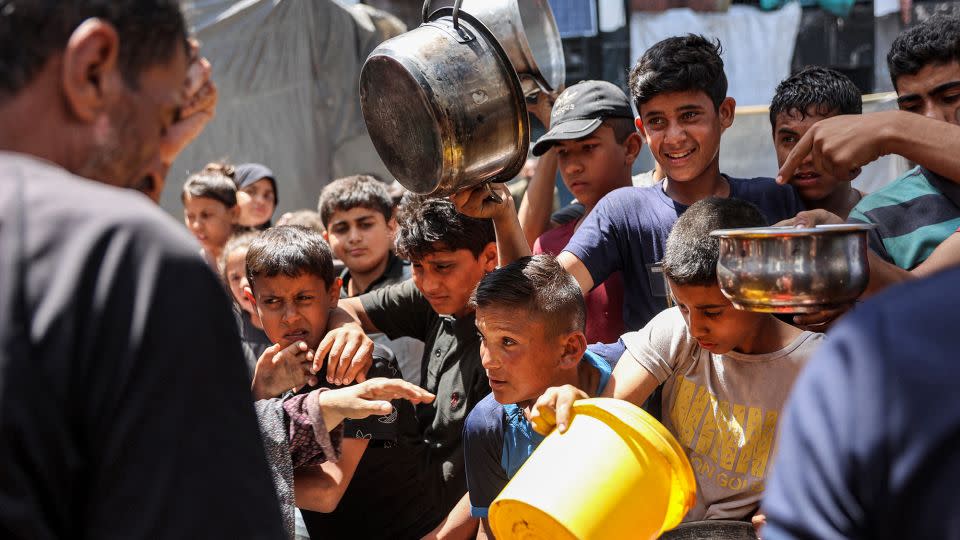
{"points": [[482, 449], [775, 202], [596, 242], [830, 463]]}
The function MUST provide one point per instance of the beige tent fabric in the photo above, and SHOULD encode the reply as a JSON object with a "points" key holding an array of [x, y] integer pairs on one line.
{"points": [[288, 73]]}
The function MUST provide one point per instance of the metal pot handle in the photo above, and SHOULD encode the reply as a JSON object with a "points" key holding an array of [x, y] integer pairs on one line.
{"points": [[425, 14]]}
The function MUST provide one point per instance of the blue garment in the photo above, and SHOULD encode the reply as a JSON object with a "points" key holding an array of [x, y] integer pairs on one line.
{"points": [[913, 215], [628, 229], [869, 441], [498, 439]]}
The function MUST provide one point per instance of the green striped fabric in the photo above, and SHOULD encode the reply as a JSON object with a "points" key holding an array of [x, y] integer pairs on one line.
{"points": [[913, 216]]}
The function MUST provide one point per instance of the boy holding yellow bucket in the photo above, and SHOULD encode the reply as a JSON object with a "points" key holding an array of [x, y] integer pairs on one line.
{"points": [[531, 318], [725, 372]]}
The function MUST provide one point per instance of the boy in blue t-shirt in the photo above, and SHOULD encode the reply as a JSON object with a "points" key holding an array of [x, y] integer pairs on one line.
{"points": [[531, 319], [680, 91]]}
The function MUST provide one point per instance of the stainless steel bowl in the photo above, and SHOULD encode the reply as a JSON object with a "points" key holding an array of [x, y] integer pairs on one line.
{"points": [[444, 106], [793, 270], [528, 33]]}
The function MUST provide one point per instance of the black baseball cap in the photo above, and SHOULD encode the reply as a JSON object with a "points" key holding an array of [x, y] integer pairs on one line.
{"points": [[580, 110]]}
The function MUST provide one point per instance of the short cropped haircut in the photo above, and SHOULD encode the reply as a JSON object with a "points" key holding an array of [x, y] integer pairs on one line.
{"points": [[427, 225], [933, 41], [289, 251], [212, 185], [679, 64], [818, 91], [33, 31], [539, 287], [692, 254], [622, 128], [358, 191], [239, 240], [303, 218]]}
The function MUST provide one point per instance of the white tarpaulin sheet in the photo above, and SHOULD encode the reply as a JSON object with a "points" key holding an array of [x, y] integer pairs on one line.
{"points": [[288, 73], [757, 45]]}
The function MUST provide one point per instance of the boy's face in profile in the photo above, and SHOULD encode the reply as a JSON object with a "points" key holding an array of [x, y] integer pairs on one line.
{"points": [[683, 131], [788, 128], [521, 356], [934, 92], [447, 278], [360, 237], [295, 308], [595, 165], [712, 320]]}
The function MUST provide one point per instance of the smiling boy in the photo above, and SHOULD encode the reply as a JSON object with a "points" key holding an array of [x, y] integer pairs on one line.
{"points": [[531, 319], [725, 372], [293, 287], [680, 91]]}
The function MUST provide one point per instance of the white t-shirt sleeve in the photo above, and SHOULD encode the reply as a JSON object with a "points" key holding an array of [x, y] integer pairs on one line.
{"points": [[659, 345]]}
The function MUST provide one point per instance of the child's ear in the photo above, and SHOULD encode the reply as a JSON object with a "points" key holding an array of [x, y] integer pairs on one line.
{"points": [[392, 225], [235, 214], [633, 145], [643, 132], [726, 112], [489, 257], [326, 235], [335, 292], [248, 292], [574, 347]]}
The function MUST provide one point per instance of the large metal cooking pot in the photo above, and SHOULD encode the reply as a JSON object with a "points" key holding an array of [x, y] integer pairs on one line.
{"points": [[444, 107], [793, 270], [528, 33]]}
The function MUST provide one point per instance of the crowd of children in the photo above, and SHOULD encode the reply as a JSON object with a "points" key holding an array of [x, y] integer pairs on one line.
{"points": [[503, 314]]}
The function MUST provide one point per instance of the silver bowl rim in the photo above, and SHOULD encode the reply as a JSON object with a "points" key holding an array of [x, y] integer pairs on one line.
{"points": [[776, 232]]}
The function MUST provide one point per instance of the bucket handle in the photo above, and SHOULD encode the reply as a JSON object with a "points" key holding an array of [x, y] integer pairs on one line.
{"points": [[425, 14]]}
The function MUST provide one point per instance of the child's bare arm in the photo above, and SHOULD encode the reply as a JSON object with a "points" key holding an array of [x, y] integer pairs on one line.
{"points": [[537, 204], [458, 525], [320, 488], [577, 269], [630, 381], [481, 202]]}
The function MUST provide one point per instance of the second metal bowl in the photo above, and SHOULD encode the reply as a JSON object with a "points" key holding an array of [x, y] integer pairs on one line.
{"points": [[793, 270]]}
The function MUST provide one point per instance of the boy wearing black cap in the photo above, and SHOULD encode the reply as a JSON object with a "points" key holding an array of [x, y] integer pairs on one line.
{"points": [[595, 142]]}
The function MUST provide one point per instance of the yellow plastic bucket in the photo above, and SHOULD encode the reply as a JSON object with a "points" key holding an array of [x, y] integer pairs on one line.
{"points": [[615, 473]]}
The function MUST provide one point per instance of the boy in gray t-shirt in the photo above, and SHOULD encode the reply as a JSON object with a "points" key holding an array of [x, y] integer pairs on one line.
{"points": [[726, 373]]}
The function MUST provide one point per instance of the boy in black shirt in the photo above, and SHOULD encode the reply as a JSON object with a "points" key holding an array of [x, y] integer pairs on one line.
{"points": [[450, 253]]}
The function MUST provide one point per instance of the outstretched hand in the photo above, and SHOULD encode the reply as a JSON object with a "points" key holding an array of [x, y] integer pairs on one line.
{"points": [[368, 398]]}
